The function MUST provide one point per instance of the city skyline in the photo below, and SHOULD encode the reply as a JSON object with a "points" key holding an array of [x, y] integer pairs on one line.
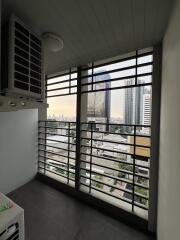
{"points": [[66, 105]]}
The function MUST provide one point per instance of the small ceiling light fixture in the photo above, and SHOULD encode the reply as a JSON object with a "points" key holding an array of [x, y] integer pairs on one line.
{"points": [[52, 42]]}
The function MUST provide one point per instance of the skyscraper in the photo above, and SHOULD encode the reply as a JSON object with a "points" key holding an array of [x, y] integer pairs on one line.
{"points": [[99, 102], [128, 103], [133, 105], [147, 109]]}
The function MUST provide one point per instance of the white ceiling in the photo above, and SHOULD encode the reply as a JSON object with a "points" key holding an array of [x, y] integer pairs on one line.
{"points": [[93, 29]]}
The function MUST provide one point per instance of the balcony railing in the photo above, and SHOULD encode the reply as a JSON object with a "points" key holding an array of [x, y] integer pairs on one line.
{"points": [[57, 150], [114, 160], [115, 164]]}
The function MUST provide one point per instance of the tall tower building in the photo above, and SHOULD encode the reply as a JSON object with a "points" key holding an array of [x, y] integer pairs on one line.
{"points": [[128, 103], [138, 108], [133, 105], [99, 102], [147, 109]]}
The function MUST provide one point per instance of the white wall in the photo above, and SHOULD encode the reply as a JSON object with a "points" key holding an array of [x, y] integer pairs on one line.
{"points": [[169, 166], [18, 148]]}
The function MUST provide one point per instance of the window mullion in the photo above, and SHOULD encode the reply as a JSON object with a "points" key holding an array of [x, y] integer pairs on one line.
{"points": [[78, 130]]}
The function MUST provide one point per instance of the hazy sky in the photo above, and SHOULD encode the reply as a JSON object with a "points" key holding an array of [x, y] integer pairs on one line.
{"points": [[62, 106], [66, 105]]}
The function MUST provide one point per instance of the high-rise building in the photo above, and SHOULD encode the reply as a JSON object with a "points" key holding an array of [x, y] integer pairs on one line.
{"points": [[147, 109], [99, 102], [138, 108], [128, 103], [133, 105]]}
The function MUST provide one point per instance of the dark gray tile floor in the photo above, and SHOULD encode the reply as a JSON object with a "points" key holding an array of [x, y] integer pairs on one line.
{"points": [[52, 215]]}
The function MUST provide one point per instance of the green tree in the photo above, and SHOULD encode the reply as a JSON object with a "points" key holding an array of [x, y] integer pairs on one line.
{"points": [[143, 192], [123, 166], [97, 184]]}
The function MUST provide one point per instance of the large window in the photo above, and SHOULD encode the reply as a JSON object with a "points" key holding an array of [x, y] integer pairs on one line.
{"points": [[110, 137]]}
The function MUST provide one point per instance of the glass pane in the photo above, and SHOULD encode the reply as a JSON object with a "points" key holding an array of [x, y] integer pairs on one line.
{"points": [[62, 108]]}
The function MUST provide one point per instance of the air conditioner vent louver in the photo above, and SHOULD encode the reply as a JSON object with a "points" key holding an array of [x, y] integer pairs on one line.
{"points": [[15, 235], [11, 220], [25, 72]]}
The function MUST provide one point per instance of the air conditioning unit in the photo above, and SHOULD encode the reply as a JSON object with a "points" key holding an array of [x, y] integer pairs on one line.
{"points": [[11, 221], [22, 61]]}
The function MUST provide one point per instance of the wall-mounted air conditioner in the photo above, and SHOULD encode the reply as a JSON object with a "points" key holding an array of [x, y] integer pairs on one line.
{"points": [[22, 61], [11, 221]]}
